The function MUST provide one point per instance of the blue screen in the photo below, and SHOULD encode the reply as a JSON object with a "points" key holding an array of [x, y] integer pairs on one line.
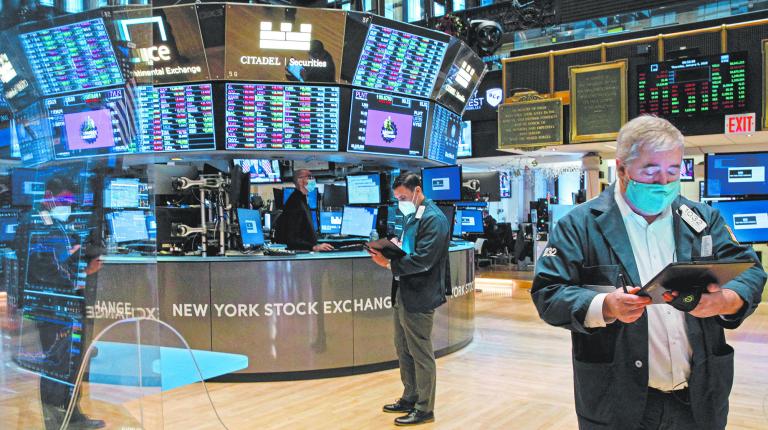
{"points": [[471, 220], [364, 189], [127, 226], [311, 197], [151, 227], [250, 227], [330, 222], [26, 187], [737, 174], [9, 220], [442, 183], [358, 221], [748, 219]]}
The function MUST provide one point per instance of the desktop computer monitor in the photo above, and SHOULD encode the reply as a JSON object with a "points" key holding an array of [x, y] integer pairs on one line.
{"points": [[330, 222], [311, 197], [128, 226], [364, 189], [442, 183], [9, 221], [736, 174], [250, 227], [334, 196], [471, 221], [748, 219], [151, 227], [449, 211], [358, 221]]}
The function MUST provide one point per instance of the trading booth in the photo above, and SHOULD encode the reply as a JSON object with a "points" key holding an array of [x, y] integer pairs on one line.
{"points": [[178, 127]]}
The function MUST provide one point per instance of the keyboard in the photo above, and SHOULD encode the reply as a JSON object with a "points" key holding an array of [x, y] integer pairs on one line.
{"points": [[348, 248], [274, 252]]}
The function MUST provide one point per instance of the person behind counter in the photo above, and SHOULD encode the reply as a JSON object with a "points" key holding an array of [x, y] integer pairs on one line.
{"points": [[294, 227], [421, 280]]}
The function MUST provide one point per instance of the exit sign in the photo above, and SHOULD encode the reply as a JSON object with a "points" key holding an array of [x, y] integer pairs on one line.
{"points": [[740, 123]]}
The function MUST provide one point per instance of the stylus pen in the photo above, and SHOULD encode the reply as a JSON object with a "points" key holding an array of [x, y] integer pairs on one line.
{"points": [[622, 283]]}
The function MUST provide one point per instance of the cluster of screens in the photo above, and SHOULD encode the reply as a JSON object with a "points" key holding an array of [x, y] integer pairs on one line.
{"points": [[103, 82], [449, 183]]}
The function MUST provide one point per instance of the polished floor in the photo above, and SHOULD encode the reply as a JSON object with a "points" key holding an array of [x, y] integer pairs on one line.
{"points": [[516, 374]]}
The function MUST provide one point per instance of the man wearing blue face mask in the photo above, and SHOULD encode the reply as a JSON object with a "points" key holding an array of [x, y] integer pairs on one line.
{"points": [[637, 364], [294, 227], [421, 280]]}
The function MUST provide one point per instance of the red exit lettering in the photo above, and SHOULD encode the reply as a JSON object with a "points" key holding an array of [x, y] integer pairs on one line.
{"points": [[744, 123]]}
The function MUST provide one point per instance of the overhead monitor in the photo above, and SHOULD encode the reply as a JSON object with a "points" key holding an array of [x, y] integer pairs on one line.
{"points": [[686, 170], [713, 84], [461, 73], [261, 171], [442, 183], [72, 57], [250, 227], [358, 220], [748, 219], [334, 195], [174, 118], [282, 117], [311, 197], [34, 134], [277, 43], [163, 45], [330, 222], [9, 221], [387, 124], [470, 220], [89, 124], [505, 186], [400, 58], [465, 145], [364, 189], [481, 186], [444, 135], [126, 193], [128, 226], [27, 187], [736, 174]]}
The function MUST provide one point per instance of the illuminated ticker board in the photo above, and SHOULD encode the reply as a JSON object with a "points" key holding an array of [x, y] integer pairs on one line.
{"points": [[715, 84]]}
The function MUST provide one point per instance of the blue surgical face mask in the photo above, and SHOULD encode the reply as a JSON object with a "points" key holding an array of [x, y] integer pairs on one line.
{"points": [[311, 185], [652, 199]]}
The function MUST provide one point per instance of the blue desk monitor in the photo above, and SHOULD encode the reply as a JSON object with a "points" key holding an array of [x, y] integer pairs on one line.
{"points": [[330, 222], [128, 226], [358, 221], [736, 174], [471, 221], [151, 227], [748, 219], [250, 227], [364, 189], [9, 221], [311, 197], [442, 183]]}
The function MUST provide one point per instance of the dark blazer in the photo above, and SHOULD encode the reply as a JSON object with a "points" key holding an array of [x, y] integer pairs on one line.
{"points": [[294, 226], [590, 247], [425, 274]]}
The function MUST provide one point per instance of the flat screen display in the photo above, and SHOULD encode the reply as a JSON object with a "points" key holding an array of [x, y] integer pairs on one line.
{"points": [[469, 221], [175, 118], [126, 193], [9, 221], [400, 58], [272, 43], [481, 185], [330, 222], [261, 171], [748, 219], [358, 221], [444, 135], [250, 227], [460, 76], [387, 124], [128, 226], [686, 170], [505, 187], [311, 197], [334, 195], [282, 117], [90, 124], [736, 174], [465, 145], [72, 57], [442, 183], [364, 189], [450, 214], [27, 187], [714, 84], [9, 144]]}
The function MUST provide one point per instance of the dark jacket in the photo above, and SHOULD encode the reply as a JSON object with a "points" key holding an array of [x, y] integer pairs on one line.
{"points": [[294, 226], [425, 273], [590, 246]]}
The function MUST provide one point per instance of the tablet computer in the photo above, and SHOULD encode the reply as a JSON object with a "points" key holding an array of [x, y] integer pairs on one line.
{"points": [[692, 276]]}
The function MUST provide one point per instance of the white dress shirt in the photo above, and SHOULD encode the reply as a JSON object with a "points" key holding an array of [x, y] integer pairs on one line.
{"points": [[669, 350]]}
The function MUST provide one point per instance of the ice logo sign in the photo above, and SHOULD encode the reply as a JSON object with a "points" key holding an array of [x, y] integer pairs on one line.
{"points": [[88, 131], [151, 54], [285, 37], [389, 130], [494, 96]]}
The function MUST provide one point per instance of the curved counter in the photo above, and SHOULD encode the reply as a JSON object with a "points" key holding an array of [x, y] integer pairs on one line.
{"points": [[302, 316]]}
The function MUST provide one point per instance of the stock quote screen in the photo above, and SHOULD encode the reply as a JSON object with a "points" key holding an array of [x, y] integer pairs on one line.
{"points": [[715, 84], [444, 136], [282, 117], [399, 61], [175, 118], [72, 57]]}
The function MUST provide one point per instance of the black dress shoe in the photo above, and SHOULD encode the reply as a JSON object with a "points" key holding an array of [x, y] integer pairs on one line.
{"points": [[415, 417], [399, 407]]}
